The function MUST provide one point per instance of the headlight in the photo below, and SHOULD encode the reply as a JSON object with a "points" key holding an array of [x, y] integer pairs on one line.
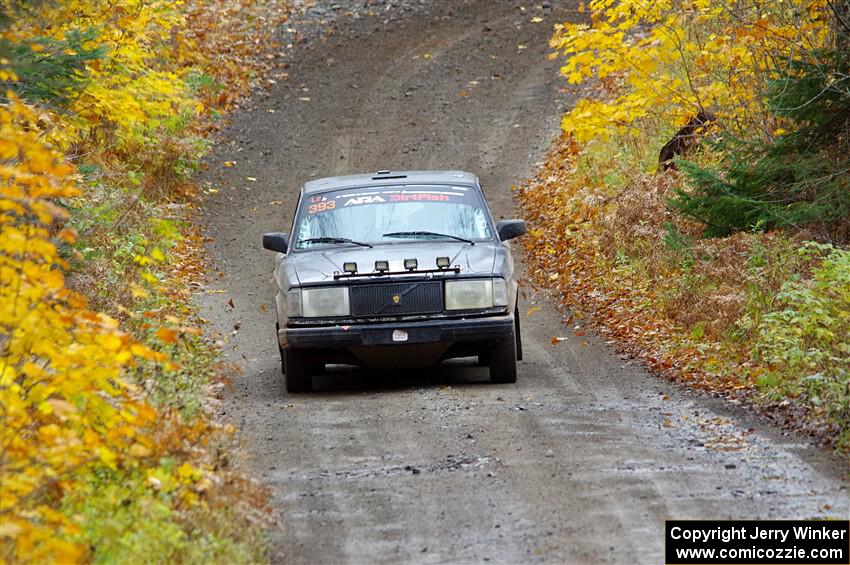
{"points": [[500, 292], [293, 303], [320, 302], [469, 294]]}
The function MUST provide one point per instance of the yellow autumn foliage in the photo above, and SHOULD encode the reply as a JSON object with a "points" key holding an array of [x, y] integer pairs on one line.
{"points": [[84, 472], [666, 61], [131, 90], [65, 406]]}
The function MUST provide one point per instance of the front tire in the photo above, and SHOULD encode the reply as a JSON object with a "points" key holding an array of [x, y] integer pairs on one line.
{"points": [[279, 348], [518, 335], [296, 368], [502, 357]]}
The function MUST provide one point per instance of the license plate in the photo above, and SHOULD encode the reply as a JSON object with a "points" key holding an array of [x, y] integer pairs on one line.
{"points": [[399, 335]]}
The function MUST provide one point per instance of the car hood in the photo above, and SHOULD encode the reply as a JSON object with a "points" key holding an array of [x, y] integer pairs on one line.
{"points": [[319, 266]]}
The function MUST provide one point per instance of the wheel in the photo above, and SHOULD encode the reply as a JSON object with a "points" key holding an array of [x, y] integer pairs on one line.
{"points": [[518, 334], [296, 369], [502, 357]]}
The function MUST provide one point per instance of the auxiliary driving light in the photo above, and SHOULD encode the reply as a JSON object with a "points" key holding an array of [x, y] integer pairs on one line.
{"points": [[410, 264], [349, 267], [382, 266], [443, 262]]}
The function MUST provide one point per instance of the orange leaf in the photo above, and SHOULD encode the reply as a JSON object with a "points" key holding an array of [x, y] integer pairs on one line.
{"points": [[166, 335]]}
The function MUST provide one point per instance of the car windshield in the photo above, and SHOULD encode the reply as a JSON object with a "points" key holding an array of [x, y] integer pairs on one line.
{"points": [[391, 214]]}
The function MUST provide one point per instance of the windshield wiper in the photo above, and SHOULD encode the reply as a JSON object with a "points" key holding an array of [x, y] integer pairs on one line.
{"points": [[423, 233], [328, 239], [427, 234]]}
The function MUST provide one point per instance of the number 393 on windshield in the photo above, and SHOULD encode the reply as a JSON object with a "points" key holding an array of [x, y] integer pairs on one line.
{"points": [[321, 206]]}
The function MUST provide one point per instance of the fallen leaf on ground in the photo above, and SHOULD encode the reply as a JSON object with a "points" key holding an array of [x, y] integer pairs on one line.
{"points": [[166, 335]]}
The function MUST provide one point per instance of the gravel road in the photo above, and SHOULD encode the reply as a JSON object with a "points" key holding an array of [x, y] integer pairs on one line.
{"points": [[586, 456]]}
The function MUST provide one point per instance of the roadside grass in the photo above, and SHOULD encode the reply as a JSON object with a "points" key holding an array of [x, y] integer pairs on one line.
{"points": [[128, 522]]}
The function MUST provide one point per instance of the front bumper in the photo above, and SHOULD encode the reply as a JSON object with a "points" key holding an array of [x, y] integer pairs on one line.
{"points": [[429, 331]]}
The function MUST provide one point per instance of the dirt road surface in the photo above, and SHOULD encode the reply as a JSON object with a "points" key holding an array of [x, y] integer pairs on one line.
{"points": [[586, 456]]}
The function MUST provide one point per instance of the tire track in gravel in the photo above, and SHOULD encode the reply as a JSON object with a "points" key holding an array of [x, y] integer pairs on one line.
{"points": [[585, 457]]}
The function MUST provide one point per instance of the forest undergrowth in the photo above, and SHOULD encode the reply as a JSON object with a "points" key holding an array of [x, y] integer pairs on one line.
{"points": [[110, 450], [697, 205]]}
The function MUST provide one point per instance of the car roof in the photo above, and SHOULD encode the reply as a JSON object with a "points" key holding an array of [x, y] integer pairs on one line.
{"points": [[391, 178]]}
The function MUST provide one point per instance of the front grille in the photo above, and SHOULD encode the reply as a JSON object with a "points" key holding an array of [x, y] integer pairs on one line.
{"points": [[412, 298]]}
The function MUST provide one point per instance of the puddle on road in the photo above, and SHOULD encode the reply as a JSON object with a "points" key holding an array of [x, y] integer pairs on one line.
{"points": [[452, 463]]}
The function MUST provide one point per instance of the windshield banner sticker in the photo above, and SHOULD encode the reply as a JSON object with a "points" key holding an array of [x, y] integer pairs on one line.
{"points": [[330, 201]]}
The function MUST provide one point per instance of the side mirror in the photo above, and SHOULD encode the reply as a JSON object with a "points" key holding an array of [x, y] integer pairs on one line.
{"points": [[509, 229], [276, 241]]}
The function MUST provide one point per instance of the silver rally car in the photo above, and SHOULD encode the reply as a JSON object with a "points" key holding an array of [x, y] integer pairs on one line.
{"points": [[395, 269]]}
